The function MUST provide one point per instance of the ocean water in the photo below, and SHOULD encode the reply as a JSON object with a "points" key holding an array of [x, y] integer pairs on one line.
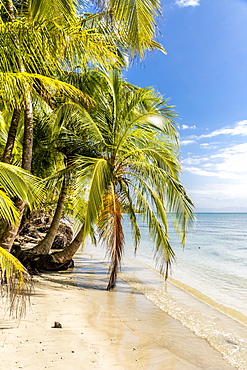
{"points": [[207, 290], [214, 260]]}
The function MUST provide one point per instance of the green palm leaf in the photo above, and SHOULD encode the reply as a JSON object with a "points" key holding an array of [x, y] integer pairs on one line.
{"points": [[15, 283], [8, 210], [100, 180], [135, 22], [18, 182]]}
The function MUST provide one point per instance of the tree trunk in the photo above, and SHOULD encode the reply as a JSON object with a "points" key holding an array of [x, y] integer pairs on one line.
{"points": [[56, 261], [7, 155], [28, 133], [45, 245]]}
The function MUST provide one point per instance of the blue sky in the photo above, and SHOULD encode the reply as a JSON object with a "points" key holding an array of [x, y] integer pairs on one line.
{"points": [[205, 76]]}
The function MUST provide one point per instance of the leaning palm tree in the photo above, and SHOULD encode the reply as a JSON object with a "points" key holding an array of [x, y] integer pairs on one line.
{"points": [[136, 169]]}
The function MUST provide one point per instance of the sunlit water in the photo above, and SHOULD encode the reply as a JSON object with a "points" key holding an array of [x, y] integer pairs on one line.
{"points": [[214, 260], [211, 275]]}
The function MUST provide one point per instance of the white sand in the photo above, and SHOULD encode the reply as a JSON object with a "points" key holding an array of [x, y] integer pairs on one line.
{"points": [[100, 330]]}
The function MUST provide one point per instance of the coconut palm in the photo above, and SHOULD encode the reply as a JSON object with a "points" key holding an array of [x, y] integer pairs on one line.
{"points": [[136, 169], [60, 135]]}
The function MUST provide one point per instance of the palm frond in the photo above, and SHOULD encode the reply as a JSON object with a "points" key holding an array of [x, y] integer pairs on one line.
{"points": [[15, 283], [8, 210], [13, 85], [164, 253], [180, 206], [17, 182], [101, 176], [169, 191], [60, 11], [135, 22]]}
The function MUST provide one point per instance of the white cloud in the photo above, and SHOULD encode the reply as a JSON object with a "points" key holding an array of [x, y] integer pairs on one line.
{"points": [[187, 142], [183, 3], [216, 177], [228, 163], [208, 146], [234, 159], [200, 171], [239, 129], [185, 127], [193, 160]]}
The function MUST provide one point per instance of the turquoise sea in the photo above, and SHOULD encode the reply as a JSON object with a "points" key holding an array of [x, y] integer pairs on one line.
{"points": [[214, 260]]}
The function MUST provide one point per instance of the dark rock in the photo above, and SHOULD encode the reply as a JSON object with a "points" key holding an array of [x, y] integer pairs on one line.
{"points": [[60, 242], [64, 236]]}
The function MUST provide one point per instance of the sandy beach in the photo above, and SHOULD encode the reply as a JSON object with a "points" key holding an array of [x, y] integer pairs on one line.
{"points": [[121, 329]]}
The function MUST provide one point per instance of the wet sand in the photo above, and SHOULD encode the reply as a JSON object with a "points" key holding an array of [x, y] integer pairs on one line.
{"points": [[121, 329]]}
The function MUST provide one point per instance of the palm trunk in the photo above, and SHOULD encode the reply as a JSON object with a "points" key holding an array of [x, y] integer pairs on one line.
{"points": [[7, 155], [68, 252], [45, 245], [28, 133], [12, 231]]}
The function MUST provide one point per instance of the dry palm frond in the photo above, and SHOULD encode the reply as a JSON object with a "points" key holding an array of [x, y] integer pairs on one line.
{"points": [[15, 283], [111, 231]]}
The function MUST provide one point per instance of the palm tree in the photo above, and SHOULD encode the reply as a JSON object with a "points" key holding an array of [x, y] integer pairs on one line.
{"points": [[136, 170], [61, 135]]}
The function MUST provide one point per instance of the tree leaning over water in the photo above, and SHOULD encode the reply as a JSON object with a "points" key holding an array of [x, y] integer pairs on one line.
{"points": [[136, 170]]}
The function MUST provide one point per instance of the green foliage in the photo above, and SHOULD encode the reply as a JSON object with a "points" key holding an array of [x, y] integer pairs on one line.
{"points": [[15, 283], [17, 182], [115, 143], [137, 166]]}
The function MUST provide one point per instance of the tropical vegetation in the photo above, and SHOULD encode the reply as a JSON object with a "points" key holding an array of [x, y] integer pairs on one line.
{"points": [[72, 125]]}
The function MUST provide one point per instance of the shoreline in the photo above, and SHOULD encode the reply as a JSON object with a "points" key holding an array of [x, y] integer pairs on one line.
{"points": [[121, 329]]}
